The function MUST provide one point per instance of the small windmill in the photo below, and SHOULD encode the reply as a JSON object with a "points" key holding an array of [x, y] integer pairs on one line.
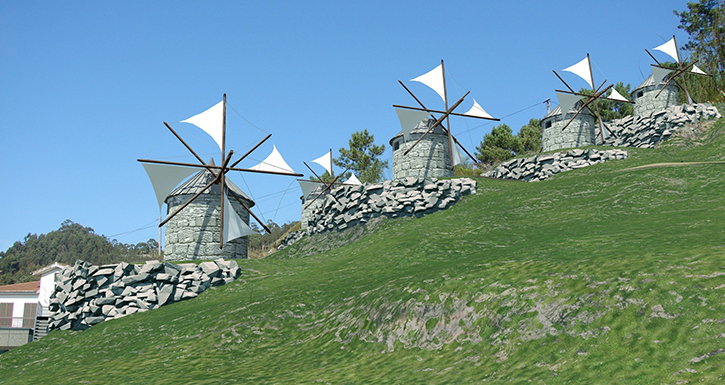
{"points": [[568, 99], [310, 186], [410, 116], [659, 72], [165, 175]]}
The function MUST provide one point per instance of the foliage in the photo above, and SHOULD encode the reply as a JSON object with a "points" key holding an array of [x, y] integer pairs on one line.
{"points": [[498, 145], [261, 242], [704, 21], [608, 109], [601, 275], [529, 136], [362, 158], [66, 245], [325, 177], [466, 169]]}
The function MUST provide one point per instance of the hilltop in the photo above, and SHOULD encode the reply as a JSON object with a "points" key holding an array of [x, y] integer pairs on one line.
{"points": [[611, 273]]}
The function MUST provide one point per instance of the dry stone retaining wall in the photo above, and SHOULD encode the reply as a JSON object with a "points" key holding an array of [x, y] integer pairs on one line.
{"points": [[646, 131], [347, 206], [87, 294], [540, 167]]}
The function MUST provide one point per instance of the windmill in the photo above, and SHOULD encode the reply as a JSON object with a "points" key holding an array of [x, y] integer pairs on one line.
{"points": [[659, 72], [319, 186], [568, 99], [410, 117], [166, 175]]}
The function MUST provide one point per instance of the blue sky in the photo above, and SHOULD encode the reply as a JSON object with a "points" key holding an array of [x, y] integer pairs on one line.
{"points": [[85, 87]]}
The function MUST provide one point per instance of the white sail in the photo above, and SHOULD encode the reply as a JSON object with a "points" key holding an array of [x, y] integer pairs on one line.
{"points": [[617, 96], [696, 70], [308, 186], [409, 119], [211, 121], [477, 110], [434, 80], [234, 226], [659, 74], [582, 69], [457, 156], [325, 161], [566, 102], [352, 180], [165, 178], [274, 162], [670, 49]]}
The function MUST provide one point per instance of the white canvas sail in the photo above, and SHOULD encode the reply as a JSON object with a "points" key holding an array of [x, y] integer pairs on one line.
{"points": [[696, 70], [234, 226], [617, 96], [670, 49], [352, 180], [582, 69], [274, 162], [457, 156], [477, 110], [165, 178], [325, 161], [434, 80], [308, 186], [567, 102], [659, 74], [409, 119], [211, 121]]}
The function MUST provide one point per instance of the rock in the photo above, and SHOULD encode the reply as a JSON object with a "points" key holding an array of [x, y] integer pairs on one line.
{"points": [[210, 268]]}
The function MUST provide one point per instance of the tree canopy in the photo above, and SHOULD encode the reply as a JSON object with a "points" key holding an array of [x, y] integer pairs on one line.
{"points": [[69, 243], [704, 21], [500, 144], [363, 158]]}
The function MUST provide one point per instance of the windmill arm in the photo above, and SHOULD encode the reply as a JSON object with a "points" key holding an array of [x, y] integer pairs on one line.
{"points": [[437, 122]]}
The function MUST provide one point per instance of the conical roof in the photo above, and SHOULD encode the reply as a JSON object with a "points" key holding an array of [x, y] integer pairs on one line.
{"points": [[421, 128], [203, 178], [650, 81], [557, 111]]}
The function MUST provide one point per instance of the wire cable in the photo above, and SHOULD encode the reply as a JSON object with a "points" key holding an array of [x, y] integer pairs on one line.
{"points": [[245, 119]]}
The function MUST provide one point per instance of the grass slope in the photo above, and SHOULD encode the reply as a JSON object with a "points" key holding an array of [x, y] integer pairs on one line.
{"points": [[605, 274]]}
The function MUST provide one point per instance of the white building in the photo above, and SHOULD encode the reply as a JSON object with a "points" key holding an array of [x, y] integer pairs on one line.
{"points": [[24, 310]]}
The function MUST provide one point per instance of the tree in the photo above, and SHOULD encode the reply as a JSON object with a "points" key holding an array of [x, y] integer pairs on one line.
{"points": [[362, 158], [704, 21], [498, 145], [529, 136]]}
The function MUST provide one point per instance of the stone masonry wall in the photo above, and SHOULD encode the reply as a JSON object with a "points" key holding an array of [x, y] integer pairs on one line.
{"points": [[86, 294], [536, 168], [648, 130], [649, 102], [194, 232], [580, 132], [347, 206]]}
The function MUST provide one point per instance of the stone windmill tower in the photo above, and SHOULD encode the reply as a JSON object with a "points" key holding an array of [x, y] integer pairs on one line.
{"points": [[572, 123], [580, 132], [194, 232], [429, 159], [425, 148], [650, 96]]}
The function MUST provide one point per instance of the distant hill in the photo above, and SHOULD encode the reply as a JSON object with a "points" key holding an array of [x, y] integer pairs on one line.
{"points": [[69, 243], [608, 274]]}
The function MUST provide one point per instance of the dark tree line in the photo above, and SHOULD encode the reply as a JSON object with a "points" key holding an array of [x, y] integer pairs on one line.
{"points": [[69, 243]]}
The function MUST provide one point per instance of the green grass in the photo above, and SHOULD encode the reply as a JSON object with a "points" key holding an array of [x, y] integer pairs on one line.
{"points": [[599, 275]]}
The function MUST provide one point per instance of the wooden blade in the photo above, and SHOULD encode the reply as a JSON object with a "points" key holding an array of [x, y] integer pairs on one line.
{"points": [[437, 122], [328, 187], [443, 112]]}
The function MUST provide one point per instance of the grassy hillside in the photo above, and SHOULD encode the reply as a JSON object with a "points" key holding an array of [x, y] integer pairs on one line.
{"points": [[606, 274]]}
